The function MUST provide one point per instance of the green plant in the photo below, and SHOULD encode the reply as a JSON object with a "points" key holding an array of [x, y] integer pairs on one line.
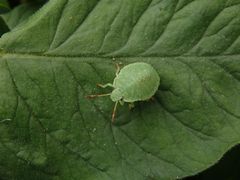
{"points": [[52, 58]]}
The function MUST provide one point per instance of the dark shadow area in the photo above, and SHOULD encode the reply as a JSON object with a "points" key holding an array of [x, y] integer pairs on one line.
{"points": [[14, 3], [4, 28]]}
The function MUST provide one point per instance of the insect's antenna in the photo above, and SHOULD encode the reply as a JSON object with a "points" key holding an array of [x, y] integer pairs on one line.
{"points": [[97, 95], [114, 111]]}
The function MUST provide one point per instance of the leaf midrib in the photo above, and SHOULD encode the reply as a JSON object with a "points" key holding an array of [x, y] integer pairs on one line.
{"points": [[41, 55]]}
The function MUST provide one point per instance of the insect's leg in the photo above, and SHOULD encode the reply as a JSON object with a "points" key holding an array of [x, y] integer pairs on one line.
{"points": [[131, 106], [117, 68], [114, 111], [97, 95], [105, 85]]}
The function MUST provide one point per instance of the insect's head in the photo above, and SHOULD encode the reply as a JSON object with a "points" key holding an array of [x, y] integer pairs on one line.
{"points": [[116, 95]]}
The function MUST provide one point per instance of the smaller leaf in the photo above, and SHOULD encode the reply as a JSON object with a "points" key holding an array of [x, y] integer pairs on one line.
{"points": [[20, 14], [4, 6]]}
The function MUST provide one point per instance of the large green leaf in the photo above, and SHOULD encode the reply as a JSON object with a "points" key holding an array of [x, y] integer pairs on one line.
{"points": [[49, 64]]}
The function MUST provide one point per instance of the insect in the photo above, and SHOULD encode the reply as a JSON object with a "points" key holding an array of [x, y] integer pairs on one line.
{"points": [[134, 82]]}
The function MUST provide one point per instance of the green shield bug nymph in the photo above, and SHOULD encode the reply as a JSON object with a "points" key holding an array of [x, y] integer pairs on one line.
{"points": [[134, 82]]}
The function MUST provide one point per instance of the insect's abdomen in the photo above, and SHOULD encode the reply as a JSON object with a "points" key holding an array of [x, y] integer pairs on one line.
{"points": [[137, 82]]}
